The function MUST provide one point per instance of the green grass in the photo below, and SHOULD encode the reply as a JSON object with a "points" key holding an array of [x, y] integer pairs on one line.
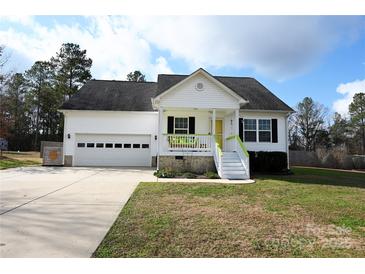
{"points": [[6, 162], [313, 213]]}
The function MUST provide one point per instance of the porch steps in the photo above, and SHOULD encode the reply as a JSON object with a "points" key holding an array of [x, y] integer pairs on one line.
{"points": [[232, 167]]}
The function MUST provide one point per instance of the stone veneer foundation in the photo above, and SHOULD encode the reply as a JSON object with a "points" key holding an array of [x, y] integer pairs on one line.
{"points": [[154, 161], [67, 160], [196, 164]]}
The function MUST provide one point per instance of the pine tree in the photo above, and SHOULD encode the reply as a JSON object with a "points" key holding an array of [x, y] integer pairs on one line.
{"points": [[72, 69], [136, 76], [40, 78], [357, 113]]}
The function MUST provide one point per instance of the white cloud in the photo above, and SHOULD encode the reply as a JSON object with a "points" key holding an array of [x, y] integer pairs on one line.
{"points": [[348, 91], [276, 46], [24, 20], [114, 47]]}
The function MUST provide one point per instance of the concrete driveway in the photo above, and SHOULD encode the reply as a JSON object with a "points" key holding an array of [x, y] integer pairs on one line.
{"points": [[61, 212]]}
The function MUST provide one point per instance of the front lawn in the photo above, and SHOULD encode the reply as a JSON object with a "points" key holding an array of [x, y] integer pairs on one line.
{"points": [[18, 159], [313, 213]]}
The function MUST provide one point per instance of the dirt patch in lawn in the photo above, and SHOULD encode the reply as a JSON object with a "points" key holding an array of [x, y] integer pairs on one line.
{"points": [[23, 155], [11, 159]]}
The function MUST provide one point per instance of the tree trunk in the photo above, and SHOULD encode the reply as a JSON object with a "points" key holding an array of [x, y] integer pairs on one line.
{"points": [[70, 85], [37, 125], [363, 140]]}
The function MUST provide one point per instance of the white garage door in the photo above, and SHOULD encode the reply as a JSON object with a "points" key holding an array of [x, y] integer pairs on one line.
{"points": [[112, 150]]}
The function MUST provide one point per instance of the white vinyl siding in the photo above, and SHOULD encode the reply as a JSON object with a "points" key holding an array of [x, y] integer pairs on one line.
{"points": [[186, 95]]}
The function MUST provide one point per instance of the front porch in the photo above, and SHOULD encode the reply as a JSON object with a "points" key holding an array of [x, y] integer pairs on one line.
{"points": [[191, 132], [202, 140]]}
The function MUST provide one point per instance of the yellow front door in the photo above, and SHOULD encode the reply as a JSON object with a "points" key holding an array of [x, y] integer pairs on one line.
{"points": [[219, 132]]}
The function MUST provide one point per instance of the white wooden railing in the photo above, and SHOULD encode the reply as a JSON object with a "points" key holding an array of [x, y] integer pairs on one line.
{"points": [[217, 153], [187, 142], [235, 144]]}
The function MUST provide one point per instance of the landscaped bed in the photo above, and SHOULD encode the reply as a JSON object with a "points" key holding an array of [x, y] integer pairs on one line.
{"points": [[168, 173], [313, 213], [18, 159]]}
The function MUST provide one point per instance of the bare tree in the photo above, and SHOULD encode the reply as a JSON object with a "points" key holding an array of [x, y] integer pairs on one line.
{"points": [[3, 60], [307, 122]]}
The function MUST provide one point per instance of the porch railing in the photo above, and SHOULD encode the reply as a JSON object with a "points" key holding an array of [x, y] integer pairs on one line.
{"points": [[187, 142]]}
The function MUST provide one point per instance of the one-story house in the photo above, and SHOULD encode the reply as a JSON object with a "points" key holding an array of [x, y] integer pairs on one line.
{"points": [[195, 122]]}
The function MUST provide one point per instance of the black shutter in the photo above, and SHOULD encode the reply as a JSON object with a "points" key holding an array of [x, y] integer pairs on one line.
{"points": [[274, 125], [191, 125], [170, 125], [240, 128]]}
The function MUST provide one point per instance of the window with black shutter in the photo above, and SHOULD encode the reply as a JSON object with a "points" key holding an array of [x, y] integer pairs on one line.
{"points": [[274, 132], [191, 125], [240, 128], [170, 124]]}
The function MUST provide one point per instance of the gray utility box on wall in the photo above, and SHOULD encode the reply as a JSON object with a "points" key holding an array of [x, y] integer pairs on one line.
{"points": [[52, 156]]}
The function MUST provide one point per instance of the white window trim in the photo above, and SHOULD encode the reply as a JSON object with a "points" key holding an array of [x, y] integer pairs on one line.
{"points": [[175, 128], [244, 130], [264, 130], [257, 129]]}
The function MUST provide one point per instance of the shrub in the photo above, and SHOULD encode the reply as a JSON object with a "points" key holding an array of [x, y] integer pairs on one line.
{"points": [[329, 161], [189, 175], [268, 161], [347, 162], [211, 175], [359, 162], [164, 173]]}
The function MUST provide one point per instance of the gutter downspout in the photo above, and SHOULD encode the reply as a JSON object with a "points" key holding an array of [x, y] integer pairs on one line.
{"points": [[286, 139]]}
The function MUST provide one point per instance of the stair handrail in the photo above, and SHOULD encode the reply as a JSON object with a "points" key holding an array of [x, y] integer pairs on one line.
{"points": [[217, 156], [242, 153]]}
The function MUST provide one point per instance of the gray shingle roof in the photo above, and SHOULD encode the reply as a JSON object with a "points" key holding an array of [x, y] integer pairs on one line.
{"points": [[113, 95], [136, 96], [259, 96]]}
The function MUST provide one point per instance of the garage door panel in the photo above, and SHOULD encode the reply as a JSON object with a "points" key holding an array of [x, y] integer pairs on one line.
{"points": [[112, 150]]}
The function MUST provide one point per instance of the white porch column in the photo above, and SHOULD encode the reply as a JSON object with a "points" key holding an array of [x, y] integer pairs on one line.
{"points": [[213, 122], [159, 136], [236, 126], [236, 121], [213, 128]]}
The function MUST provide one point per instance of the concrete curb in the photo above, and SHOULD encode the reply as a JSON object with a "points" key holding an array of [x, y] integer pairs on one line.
{"points": [[216, 181]]}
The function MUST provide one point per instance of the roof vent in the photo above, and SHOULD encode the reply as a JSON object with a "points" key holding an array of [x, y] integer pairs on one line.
{"points": [[199, 86]]}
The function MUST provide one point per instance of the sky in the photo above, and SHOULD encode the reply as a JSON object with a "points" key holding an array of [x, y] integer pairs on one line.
{"points": [[322, 57]]}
